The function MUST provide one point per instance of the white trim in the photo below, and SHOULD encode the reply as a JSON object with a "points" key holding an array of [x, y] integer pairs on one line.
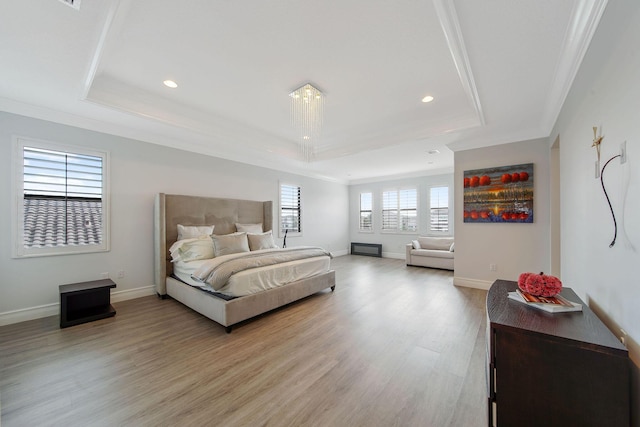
{"points": [[128, 294], [472, 283], [31, 313], [394, 255], [632, 346], [17, 209], [194, 143], [448, 18], [99, 49], [342, 252], [586, 17], [385, 178], [47, 310]]}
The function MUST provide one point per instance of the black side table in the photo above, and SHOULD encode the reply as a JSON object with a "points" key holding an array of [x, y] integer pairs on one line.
{"points": [[85, 302]]}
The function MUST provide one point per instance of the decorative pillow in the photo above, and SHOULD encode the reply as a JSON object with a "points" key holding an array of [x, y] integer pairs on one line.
{"points": [[192, 249], [416, 244], [193, 231], [261, 241], [230, 243], [451, 248], [249, 228]]}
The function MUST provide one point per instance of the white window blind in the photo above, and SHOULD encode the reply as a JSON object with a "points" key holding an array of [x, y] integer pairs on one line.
{"points": [[366, 211], [390, 210], [400, 210], [408, 210], [439, 209], [62, 200], [290, 209]]}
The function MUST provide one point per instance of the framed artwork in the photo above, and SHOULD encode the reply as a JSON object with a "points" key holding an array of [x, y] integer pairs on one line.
{"points": [[501, 194]]}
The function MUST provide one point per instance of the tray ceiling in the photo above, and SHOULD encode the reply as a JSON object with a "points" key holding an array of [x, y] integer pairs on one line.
{"points": [[499, 72]]}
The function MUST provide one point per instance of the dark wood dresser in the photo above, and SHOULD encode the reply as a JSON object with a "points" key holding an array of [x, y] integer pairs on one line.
{"points": [[553, 369]]}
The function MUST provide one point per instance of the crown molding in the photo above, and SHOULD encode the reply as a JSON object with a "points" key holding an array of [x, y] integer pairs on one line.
{"points": [[450, 24], [586, 17]]}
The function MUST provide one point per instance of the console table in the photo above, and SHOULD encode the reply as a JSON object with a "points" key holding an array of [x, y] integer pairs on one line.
{"points": [[553, 369], [86, 301]]}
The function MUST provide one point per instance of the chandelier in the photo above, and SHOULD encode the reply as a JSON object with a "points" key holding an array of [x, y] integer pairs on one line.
{"points": [[307, 106]]}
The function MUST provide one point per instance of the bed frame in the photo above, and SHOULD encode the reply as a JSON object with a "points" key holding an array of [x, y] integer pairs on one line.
{"points": [[171, 210]]}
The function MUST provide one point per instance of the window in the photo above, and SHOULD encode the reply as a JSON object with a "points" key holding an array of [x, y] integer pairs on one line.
{"points": [[366, 211], [290, 209], [439, 209], [400, 210], [61, 199]]}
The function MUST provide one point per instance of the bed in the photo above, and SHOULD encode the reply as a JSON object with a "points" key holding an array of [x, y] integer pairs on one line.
{"points": [[223, 215]]}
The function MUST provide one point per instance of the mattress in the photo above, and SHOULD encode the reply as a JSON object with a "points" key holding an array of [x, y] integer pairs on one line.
{"points": [[256, 279]]}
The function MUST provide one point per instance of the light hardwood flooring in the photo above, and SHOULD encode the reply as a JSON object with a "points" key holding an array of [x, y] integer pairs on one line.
{"points": [[392, 346]]}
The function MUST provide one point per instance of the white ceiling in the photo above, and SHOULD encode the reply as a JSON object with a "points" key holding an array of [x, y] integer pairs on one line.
{"points": [[499, 71]]}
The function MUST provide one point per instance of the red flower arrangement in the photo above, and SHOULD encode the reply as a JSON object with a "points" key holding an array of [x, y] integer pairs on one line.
{"points": [[539, 284]]}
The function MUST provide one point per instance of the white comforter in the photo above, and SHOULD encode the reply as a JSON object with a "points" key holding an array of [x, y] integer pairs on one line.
{"points": [[262, 274], [217, 271]]}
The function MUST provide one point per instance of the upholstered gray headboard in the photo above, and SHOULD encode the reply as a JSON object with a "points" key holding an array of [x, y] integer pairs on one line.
{"points": [[171, 210]]}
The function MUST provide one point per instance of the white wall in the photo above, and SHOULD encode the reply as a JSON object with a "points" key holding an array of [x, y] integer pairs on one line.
{"points": [[514, 248], [29, 287], [605, 93], [393, 244]]}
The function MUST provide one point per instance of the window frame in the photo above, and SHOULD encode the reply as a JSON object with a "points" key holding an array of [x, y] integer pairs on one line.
{"points": [[429, 227], [360, 211], [18, 248], [399, 209], [281, 230]]}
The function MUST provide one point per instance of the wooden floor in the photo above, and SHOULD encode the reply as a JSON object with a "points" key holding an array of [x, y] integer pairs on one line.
{"points": [[393, 345]]}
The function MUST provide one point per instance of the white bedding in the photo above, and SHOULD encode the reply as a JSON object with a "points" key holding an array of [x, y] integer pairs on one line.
{"points": [[257, 279]]}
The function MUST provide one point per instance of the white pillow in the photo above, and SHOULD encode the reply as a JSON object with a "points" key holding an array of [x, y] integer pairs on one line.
{"points": [[261, 241], [249, 228], [230, 243], [193, 231], [192, 249], [416, 244], [451, 248]]}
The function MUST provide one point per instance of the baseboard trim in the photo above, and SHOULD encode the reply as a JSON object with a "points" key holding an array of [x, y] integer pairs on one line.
{"points": [[472, 283], [340, 253], [38, 312], [127, 294], [393, 255], [632, 346], [31, 313]]}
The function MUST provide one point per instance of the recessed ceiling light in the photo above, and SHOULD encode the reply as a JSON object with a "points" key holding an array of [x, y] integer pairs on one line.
{"points": [[433, 152], [170, 83], [427, 98]]}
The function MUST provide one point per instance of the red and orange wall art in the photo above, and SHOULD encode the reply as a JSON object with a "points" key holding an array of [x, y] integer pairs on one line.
{"points": [[500, 194]]}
